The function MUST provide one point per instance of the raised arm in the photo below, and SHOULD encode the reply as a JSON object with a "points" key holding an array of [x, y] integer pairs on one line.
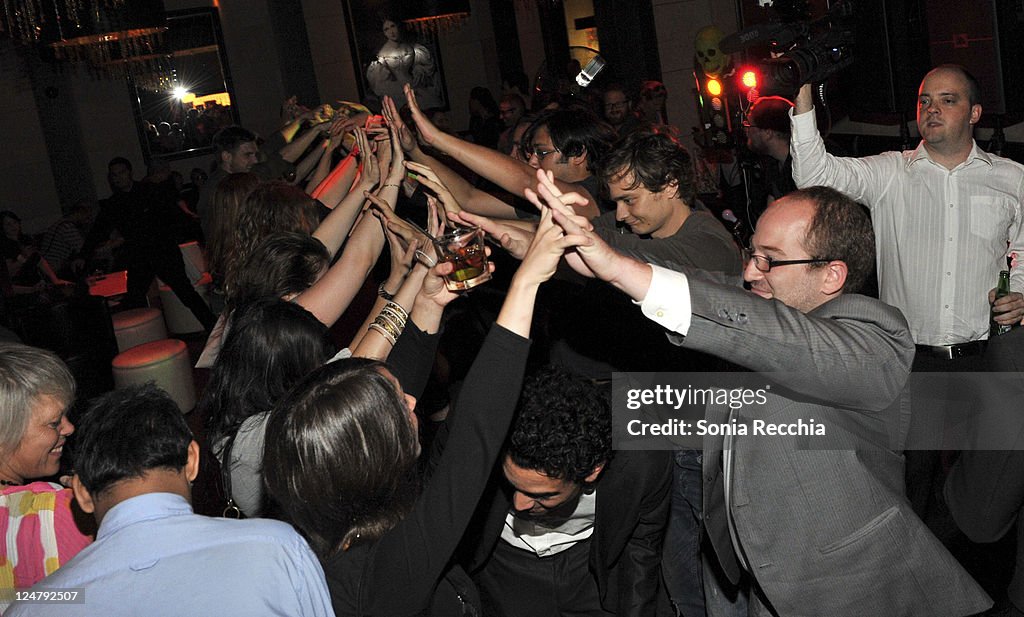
{"points": [[468, 196], [294, 149], [411, 558], [329, 297], [336, 226], [508, 173], [862, 179]]}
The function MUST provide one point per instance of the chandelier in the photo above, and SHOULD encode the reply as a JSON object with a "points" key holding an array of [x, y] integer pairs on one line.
{"points": [[103, 33]]}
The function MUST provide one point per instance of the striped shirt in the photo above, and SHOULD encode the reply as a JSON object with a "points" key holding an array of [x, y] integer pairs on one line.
{"points": [[39, 534], [941, 236]]}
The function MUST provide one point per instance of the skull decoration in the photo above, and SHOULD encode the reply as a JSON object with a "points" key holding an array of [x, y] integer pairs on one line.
{"points": [[709, 56]]}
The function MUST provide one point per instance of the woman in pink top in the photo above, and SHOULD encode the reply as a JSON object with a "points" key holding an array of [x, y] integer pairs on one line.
{"points": [[36, 520]]}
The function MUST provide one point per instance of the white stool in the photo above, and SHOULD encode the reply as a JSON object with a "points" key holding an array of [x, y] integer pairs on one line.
{"points": [[180, 319], [164, 362], [137, 326]]}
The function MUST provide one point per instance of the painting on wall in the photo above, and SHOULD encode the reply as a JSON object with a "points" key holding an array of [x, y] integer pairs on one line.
{"points": [[388, 55]]}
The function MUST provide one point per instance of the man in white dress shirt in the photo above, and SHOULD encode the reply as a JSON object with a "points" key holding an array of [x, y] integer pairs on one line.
{"points": [[946, 215]]}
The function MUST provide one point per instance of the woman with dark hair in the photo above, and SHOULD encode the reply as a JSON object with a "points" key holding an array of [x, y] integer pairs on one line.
{"points": [[283, 266], [270, 208], [272, 344], [268, 265], [341, 450], [227, 202]]}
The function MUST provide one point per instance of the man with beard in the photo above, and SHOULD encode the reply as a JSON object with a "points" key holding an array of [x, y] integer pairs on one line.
{"points": [[574, 527], [618, 110]]}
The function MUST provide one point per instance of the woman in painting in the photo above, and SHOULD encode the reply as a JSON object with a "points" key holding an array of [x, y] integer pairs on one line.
{"points": [[399, 62]]}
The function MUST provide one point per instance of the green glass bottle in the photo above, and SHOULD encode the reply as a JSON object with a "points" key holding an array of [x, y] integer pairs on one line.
{"points": [[1002, 289]]}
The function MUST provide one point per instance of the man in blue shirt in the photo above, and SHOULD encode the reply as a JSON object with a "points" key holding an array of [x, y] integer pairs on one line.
{"points": [[153, 555]]}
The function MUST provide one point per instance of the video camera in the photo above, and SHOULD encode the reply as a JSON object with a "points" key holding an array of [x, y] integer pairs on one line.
{"points": [[812, 50]]}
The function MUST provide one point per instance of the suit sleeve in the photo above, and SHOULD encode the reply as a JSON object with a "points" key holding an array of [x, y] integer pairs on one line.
{"points": [[853, 350]]}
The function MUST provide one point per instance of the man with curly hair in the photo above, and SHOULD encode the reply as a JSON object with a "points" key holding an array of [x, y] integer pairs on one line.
{"points": [[576, 529]]}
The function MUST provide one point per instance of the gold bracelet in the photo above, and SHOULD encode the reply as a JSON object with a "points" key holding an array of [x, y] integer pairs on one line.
{"points": [[389, 321], [397, 323], [397, 308], [383, 333], [387, 327]]}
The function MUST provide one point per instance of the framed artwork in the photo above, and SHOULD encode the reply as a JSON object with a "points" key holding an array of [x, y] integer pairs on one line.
{"points": [[182, 92], [388, 54]]}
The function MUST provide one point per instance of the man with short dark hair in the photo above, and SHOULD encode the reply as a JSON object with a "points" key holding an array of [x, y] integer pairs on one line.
{"points": [[767, 130], [237, 152], [578, 528], [819, 526], [134, 465], [618, 109], [511, 108]]}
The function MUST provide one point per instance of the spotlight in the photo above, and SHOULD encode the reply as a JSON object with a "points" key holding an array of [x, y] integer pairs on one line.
{"points": [[750, 78], [714, 87], [179, 93]]}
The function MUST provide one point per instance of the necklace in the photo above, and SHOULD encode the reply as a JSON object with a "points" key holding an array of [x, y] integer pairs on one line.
{"points": [[9, 483]]}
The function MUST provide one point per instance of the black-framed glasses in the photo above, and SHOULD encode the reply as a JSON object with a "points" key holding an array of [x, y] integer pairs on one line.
{"points": [[764, 263], [541, 152]]}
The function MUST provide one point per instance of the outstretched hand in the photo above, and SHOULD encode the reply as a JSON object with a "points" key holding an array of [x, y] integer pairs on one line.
{"points": [[394, 120], [515, 240], [545, 250], [426, 129], [426, 176], [370, 172], [592, 255], [406, 232], [556, 198]]}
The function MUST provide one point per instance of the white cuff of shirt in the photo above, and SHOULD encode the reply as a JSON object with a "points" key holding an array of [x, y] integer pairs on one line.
{"points": [[805, 125], [667, 302]]}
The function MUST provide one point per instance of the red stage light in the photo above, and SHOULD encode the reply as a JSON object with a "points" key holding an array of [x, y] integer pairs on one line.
{"points": [[750, 78]]}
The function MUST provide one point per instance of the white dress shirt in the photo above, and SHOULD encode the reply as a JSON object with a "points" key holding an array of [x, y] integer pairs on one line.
{"points": [[941, 236]]}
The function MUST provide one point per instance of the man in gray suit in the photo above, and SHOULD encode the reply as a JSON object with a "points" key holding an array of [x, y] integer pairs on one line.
{"points": [[818, 530]]}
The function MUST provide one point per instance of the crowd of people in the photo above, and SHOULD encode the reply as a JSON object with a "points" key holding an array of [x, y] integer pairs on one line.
{"points": [[451, 453]]}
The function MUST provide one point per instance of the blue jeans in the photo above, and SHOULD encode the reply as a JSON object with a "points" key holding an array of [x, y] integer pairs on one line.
{"points": [[684, 574]]}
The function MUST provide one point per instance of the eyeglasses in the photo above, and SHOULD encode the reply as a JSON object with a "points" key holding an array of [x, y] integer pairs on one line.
{"points": [[619, 105], [540, 152], [765, 264]]}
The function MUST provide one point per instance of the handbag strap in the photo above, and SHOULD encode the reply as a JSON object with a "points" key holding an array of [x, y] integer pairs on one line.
{"points": [[231, 509]]}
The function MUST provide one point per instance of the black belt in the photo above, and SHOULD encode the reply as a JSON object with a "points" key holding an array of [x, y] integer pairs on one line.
{"points": [[951, 352]]}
